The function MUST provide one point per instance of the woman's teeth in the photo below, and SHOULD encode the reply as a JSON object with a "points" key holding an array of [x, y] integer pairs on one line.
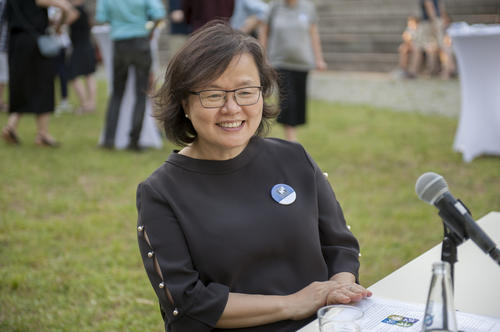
{"points": [[233, 124]]}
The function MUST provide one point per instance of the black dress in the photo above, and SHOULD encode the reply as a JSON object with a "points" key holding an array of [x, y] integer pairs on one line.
{"points": [[31, 75], [82, 61], [264, 222]]}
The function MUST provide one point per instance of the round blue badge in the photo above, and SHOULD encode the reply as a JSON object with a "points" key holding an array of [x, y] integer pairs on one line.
{"points": [[283, 194]]}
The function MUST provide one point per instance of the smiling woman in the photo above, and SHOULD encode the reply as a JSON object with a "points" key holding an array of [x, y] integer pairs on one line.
{"points": [[198, 65], [266, 244], [225, 126]]}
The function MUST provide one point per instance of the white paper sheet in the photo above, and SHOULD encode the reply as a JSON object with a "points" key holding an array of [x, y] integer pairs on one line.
{"points": [[384, 315]]}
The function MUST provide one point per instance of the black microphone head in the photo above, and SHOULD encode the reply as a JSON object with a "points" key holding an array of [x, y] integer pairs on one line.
{"points": [[430, 186]]}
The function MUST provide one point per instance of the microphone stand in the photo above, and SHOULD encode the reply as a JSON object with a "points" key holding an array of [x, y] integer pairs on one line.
{"points": [[454, 235], [449, 251]]}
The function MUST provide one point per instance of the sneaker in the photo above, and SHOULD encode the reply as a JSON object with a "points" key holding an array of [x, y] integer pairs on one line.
{"points": [[64, 107]]}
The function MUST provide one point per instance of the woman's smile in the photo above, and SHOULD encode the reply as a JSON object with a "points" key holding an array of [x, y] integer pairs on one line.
{"points": [[231, 125]]}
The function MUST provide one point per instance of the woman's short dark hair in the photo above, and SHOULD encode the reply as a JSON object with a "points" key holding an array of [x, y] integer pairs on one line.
{"points": [[203, 58]]}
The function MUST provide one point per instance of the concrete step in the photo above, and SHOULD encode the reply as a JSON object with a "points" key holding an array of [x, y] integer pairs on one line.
{"points": [[355, 61], [376, 43], [365, 34]]}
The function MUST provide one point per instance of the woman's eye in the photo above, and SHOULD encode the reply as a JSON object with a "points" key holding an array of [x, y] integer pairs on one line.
{"points": [[215, 95]]}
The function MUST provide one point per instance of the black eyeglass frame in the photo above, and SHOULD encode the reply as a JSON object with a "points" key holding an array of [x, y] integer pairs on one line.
{"points": [[198, 93]]}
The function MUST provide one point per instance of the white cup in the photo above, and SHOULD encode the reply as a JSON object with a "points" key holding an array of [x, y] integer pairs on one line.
{"points": [[339, 318]]}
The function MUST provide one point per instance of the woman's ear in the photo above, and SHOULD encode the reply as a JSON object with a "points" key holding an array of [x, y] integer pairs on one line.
{"points": [[184, 104]]}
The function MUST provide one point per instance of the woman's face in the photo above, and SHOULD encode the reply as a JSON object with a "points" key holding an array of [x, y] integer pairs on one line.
{"points": [[225, 131]]}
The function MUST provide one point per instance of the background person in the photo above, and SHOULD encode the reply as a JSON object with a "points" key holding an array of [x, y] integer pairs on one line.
{"points": [[60, 60], [82, 63], [407, 48], [179, 29], [31, 76], [4, 66], [199, 12], [290, 36], [248, 14], [429, 37], [267, 243], [446, 54], [131, 47]]}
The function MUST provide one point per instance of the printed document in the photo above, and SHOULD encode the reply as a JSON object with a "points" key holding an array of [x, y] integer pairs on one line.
{"points": [[385, 315]]}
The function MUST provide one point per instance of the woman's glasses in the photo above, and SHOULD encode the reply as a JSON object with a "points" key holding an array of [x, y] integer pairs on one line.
{"points": [[217, 98]]}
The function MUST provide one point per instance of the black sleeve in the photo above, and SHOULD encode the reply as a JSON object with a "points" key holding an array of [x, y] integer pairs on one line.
{"points": [[339, 246], [187, 303]]}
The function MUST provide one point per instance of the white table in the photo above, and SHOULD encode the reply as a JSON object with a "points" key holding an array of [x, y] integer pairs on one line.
{"points": [[150, 134], [477, 49], [477, 277]]}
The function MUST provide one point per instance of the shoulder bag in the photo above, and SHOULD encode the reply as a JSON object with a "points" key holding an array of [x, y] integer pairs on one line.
{"points": [[48, 43]]}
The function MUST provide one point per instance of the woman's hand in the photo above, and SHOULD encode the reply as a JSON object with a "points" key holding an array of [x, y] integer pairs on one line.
{"points": [[244, 310], [321, 65], [340, 289], [346, 290], [308, 300]]}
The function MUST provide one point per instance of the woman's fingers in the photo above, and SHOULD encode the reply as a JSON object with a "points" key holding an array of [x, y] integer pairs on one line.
{"points": [[346, 293], [337, 296]]}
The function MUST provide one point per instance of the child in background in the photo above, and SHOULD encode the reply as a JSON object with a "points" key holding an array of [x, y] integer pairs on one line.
{"points": [[60, 61], [446, 56], [407, 47]]}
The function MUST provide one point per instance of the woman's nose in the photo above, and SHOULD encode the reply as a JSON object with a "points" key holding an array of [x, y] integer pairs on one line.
{"points": [[231, 105]]}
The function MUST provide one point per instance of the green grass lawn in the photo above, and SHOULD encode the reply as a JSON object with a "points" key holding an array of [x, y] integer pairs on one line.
{"points": [[69, 259]]}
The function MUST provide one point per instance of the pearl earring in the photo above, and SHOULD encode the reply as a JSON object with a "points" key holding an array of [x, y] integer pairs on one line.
{"points": [[187, 116]]}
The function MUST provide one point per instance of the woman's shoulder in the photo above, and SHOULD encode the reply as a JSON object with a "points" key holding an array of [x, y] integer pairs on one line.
{"points": [[161, 174], [279, 143], [280, 147], [288, 151]]}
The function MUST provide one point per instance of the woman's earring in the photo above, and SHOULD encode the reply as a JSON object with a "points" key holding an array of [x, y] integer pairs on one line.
{"points": [[186, 115]]}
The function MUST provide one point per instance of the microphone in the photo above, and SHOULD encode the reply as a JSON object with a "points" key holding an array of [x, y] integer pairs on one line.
{"points": [[433, 189]]}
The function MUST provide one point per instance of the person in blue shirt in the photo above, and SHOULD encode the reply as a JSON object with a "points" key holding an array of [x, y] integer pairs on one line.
{"points": [[131, 47], [248, 14]]}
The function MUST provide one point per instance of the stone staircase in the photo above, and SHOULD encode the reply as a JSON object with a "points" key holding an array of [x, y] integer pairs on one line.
{"points": [[363, 35]]}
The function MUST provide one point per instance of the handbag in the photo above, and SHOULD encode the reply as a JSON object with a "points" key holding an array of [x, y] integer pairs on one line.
{"points": [[48, 43]]}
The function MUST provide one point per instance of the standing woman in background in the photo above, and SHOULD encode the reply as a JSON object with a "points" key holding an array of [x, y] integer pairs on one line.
{"points": [[31, 75], [4, 67], [290, 37], [82, 63]]}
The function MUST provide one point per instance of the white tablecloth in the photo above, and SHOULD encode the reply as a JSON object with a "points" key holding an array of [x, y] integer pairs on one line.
{"points": [[150, 134], [477, 50], [476, 278]]}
